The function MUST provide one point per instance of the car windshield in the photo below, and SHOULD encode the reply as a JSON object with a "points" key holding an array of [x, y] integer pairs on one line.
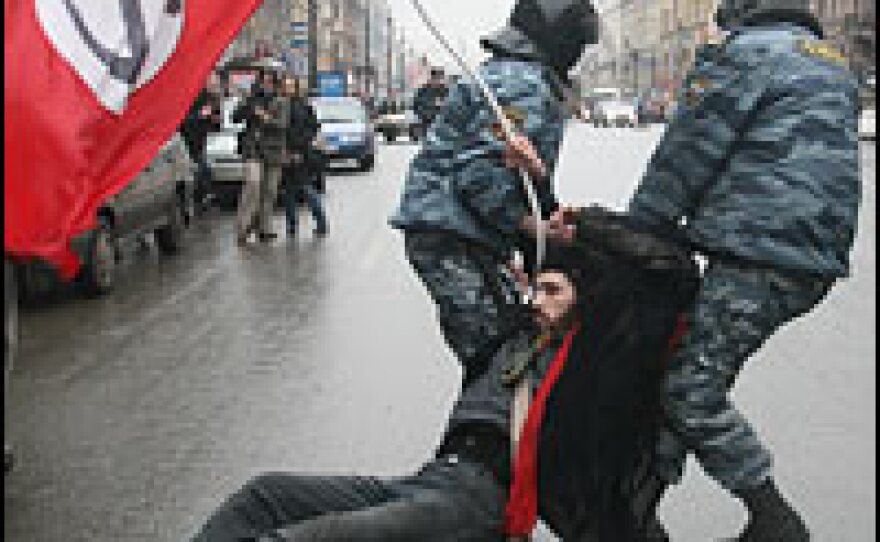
{"points": [[340, 113]]}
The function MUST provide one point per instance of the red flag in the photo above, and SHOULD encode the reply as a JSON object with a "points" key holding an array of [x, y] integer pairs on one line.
{"points": [[92, 90]]}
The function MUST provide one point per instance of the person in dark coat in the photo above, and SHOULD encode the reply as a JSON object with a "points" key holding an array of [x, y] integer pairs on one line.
{"points": [[204, 116], [595, 441], [429, 99], [304, 177]]}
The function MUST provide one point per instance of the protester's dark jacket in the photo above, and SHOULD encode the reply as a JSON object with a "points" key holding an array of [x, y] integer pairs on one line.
{"points": [[762, 159], [195, 127], [302, 132], [249, 138], [598, 434], [304, 125]]}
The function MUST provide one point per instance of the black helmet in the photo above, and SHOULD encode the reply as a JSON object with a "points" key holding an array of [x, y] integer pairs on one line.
{"points": [[559, 29], [734, 13]]}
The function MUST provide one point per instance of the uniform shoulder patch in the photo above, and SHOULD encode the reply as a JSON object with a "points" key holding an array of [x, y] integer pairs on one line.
{"points": [[822, 50]]}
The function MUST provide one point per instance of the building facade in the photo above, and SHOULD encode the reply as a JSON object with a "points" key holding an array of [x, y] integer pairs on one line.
{"points": [[357, 38], [651, 44]]}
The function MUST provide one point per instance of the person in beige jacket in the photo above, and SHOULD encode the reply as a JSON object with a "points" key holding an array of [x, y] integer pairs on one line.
{"points": [[264, 149]]}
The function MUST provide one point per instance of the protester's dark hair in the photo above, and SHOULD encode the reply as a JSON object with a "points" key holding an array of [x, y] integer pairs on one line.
{"points": [[611, 389]]}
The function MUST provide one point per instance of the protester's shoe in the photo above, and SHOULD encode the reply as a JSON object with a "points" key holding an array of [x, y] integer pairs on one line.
{"points": [[321, 232], [242, 239], [655, 531], [8, 459], [268, 237], [771, 519]]}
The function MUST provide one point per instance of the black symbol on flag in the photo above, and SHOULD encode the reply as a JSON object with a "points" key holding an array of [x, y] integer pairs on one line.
{"points": [[124, 68]]}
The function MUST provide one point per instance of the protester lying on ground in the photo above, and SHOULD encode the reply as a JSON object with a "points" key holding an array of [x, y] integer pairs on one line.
{"points": [[594, 353], [462, 210], [759, 172]]}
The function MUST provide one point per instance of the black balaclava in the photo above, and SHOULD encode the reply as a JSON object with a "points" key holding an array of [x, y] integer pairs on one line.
{"points": [[738, 13], [559, 29]]}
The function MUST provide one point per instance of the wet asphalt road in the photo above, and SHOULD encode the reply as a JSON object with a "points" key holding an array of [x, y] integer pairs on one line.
{"points": [[135, 414]]}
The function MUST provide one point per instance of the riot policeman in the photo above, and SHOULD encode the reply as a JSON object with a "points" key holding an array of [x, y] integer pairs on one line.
{"points": [[759, 171], [463, 211]]}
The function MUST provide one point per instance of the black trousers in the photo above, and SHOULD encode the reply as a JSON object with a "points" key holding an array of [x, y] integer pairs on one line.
{"points": [[449, 500]]}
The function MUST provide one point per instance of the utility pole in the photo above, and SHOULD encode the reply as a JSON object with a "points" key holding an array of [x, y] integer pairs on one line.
{"points": [[676, 42], [313, 46], [390, 59], [401, 67], [368, 55]]}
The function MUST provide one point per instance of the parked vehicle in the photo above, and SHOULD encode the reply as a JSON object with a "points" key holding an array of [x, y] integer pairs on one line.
{"points": [[609, 107], [868, 124], [868, 108], [158, 201], [394, 122], [347, 134], [224, 160], [652, 107]]}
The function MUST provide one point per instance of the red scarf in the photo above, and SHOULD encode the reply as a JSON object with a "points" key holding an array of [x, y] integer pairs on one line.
{"points": [[521, 515]]}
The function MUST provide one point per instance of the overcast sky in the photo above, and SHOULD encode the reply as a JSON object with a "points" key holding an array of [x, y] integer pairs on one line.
{"points": [[463, 21]]}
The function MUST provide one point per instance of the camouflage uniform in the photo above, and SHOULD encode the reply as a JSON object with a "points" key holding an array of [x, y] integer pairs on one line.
{"points": [[760, 165], [461, 207]]}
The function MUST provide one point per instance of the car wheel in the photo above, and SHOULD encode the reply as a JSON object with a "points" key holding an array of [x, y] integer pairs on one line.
{"points": [[169, 238], [367, 164], [99, 271]]}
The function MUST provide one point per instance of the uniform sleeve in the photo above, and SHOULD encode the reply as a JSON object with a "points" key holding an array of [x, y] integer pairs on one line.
{"points": [[491, 191], [806, 138], [714, 108]]}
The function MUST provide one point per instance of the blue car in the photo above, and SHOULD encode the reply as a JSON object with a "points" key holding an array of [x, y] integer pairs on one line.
{"points": [[347, 133]]}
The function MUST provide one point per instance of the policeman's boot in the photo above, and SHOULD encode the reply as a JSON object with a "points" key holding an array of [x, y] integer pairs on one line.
{"points": [[771, 518], [8, 459]]}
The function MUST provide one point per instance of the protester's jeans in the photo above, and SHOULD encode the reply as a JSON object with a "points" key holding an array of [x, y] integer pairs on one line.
{"points": [[447, 501], [295, 191]]}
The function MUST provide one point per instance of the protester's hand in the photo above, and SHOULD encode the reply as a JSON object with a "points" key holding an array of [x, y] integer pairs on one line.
{"points": [[519, 274], [558, 229], [521, 154]]}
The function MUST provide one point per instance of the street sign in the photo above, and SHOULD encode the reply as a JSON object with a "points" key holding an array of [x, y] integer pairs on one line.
{"points": [[332, 84]]}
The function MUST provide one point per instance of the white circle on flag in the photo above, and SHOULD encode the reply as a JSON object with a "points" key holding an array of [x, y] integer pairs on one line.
{"points": [[115, 46]]}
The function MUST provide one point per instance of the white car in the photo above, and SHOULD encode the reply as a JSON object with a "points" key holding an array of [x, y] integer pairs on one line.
{"points": [[221, 151], [868, 124], [616, 112]]}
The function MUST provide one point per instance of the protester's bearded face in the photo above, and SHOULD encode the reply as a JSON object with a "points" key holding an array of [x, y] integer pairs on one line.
{"points": [[555, 299]]}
